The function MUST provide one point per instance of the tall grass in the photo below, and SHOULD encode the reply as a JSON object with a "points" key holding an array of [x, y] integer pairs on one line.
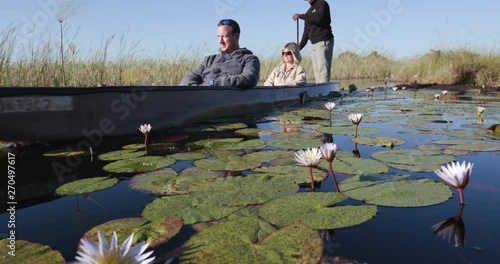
{"points": [[36, 64]]}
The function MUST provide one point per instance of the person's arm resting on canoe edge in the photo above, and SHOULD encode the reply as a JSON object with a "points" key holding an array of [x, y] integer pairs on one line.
{"points": [[195, 78]]}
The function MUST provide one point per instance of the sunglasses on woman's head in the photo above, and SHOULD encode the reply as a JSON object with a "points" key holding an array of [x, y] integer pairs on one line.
{"points": [[287, 53]]}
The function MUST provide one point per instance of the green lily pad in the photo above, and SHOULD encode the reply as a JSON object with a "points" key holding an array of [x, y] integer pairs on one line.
{"points": [[228, 162], [249, 132], [195, 155], [250, 189], [347, 164], [349, 130], [214, 143], [63, 153], [246, 144], [121, 154], [188, 207], [29, 252], [86, 185], [167, 181], [379, 141], [154, 233], [295, 141], [413, 159], [232, 126], [468, 145], [140, 164], [315, 210], [395, 190], [235, 241], [294, 173], [134, 146], [267, 156]]}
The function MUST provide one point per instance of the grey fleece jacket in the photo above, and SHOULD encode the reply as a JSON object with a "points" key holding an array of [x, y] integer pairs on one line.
{"points": [[239, 69]]}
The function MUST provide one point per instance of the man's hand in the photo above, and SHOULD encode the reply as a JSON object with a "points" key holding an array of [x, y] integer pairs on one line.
{"points": [[296, 16]]}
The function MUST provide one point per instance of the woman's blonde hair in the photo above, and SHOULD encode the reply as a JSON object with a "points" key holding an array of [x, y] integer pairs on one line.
{"points": [[294, 48]]}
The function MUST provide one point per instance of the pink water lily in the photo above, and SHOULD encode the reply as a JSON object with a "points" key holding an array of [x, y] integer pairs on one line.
{"points": [[329, 151], [456, 175], [308, 158]]}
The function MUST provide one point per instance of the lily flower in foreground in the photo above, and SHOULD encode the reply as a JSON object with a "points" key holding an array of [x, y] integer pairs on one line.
{"points": [[456, 175], [145, 129], [330, 106], [308, 158], [355, 119], [329, 151], [102, 253], [480, 110]]}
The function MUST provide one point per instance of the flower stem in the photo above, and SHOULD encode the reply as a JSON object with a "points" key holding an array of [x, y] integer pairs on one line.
{"points": [[461, 194], [312, 179], [333, 178], [355, 131], [145, 140], [330, 118]]}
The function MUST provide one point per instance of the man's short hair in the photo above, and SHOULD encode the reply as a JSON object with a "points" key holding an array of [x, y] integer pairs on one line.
{"points": [[233, 24]]}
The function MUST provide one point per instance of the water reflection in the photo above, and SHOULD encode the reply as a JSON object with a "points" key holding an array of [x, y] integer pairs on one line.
{"points": [[355, 151], [452, 229]]}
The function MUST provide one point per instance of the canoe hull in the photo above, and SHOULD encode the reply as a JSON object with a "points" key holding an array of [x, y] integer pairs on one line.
{"points": [[70, 113]]}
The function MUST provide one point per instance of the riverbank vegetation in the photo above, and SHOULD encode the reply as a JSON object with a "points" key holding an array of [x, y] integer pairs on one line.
{"points": [[40, 64]]}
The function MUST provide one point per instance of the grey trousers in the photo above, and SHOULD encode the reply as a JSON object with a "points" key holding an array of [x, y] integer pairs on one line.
{"points": [[321, 56]]}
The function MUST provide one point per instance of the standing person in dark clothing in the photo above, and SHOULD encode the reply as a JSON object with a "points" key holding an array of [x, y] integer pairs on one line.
{"points": [[317, 28], [233, 66]]}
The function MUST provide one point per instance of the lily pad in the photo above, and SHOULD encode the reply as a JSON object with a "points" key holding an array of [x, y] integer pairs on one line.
{"points": [[246, 144], [267, 156], [468, 145], [167, 181], [140, 164], [231, 126], [195, 155], [86, 185], [214, 143], [63, 153], [235, 241], [228, 163], [134, 146], [154, 233], [352, 165], [413, 159], [315, 210], [249, 132], [121, 154], [188, 207], [379, 141], [294, 173], [250, 189], [29, 252], [349, 130], [295, 141], [395, 190]]}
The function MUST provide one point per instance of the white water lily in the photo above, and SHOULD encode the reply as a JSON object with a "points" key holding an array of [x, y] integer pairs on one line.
{"points": [[355, 118], [308, 157], [102, 253], [395, 88], [403, 88], [444, 92], [330, 105], [145, 129], [480, 110], [329, 151], [436, 96], [456, 175]]}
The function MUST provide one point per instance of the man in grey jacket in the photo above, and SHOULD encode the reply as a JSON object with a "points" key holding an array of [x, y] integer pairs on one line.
{"points": [[233, 66]]}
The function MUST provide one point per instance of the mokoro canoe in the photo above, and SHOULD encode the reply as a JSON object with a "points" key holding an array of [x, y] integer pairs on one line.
{"points": [[44, 113]]}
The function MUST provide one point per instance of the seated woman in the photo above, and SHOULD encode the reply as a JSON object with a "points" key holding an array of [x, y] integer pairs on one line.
{"points": [[289, 72]]}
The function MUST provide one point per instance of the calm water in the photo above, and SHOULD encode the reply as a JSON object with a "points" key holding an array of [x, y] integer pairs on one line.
{"points": [[395, 235]]}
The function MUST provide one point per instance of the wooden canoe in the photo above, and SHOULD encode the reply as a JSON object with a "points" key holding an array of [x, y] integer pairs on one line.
{"points": [[32, 113]]}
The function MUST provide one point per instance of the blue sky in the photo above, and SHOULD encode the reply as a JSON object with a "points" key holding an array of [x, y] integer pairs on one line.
{"points": [[399, 28]]}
